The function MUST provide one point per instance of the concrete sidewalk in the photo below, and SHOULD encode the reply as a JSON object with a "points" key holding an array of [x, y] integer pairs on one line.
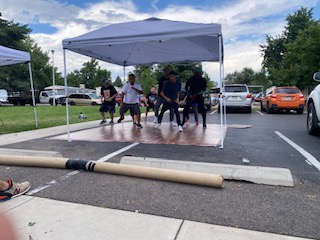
{"points": [[46, 219], [40, 218]]}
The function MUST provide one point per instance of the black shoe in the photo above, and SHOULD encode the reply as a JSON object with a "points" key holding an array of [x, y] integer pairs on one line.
{"points": [[120, 119], [204, 125], [139, 125]]}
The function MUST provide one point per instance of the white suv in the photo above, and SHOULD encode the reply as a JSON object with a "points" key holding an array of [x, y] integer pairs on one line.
{"points": [[237, 96], [313, 108]]}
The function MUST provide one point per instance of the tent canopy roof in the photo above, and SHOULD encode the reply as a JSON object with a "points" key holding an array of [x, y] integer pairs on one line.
{"points": [[9, 56], [149, 42]]}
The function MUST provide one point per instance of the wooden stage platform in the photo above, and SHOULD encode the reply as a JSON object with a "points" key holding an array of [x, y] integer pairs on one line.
{"points": [[127, 132]]}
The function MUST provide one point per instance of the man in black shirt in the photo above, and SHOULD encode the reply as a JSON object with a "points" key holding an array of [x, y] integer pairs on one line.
{"points": [[107, 95], [195, 87], [170, 93], [160, 99]]}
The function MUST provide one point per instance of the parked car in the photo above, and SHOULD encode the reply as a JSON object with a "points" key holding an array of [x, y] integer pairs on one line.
{"points": [[84, 99], [313, 108], [50, 97], [237, 96], [283, 98]]}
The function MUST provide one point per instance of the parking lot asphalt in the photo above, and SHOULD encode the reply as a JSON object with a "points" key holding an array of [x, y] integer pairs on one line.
{"points": [[270, 209]]}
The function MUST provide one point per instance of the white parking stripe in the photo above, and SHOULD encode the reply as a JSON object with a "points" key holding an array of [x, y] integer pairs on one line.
{"points": [[213, 112], [260, 112], [311, 159], [62, 178], [107, 157]]}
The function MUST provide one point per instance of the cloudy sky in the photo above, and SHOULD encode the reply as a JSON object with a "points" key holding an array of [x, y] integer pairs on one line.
{"points": [[245, 23]]}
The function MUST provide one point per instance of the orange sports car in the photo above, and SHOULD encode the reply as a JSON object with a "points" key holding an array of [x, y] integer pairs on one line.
{"points": [[283, 98]]}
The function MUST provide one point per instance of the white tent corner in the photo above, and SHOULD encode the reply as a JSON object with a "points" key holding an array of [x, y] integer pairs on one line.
{"points": [[9, 56]]}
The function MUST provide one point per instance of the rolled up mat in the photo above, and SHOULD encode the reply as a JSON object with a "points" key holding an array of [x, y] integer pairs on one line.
{"points": [[204, 179]]}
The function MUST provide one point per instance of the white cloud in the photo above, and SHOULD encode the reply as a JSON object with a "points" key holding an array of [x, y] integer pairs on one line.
{"points": [[245, 24]]}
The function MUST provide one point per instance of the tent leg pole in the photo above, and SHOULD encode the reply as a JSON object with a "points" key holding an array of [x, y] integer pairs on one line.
{"points": [[33, 97], [66, 93]]}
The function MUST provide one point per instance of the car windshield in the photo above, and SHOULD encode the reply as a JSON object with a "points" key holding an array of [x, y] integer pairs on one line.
{"points": [[235, 89], [51, 93], [93, 95], [287, 90]]}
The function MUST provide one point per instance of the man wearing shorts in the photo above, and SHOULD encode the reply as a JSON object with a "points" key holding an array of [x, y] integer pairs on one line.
{"points": [[108, 98], [130, 101]]}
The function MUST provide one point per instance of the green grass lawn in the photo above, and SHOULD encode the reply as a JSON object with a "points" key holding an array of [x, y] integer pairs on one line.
{"points": [[21, 118]]}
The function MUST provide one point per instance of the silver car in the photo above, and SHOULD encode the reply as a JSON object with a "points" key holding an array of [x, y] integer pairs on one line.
{"points": [[237, 96]]}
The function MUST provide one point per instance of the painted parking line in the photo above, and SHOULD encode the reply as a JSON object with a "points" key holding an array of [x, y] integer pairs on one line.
{"points": [[309, 158], [70, 174], [213, 112], [260, 112]]}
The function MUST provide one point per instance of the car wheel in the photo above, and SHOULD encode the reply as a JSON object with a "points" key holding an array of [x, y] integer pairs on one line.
{"points": [[72, 103], [312, 120], [269, 110], [51, 102], [94, 104]]}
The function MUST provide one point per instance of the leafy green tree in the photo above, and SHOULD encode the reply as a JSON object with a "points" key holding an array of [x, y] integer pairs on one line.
{"points": [[248, 76], [90, 74], [301, 60], [118, 82], [16, 77], [275, 47]]}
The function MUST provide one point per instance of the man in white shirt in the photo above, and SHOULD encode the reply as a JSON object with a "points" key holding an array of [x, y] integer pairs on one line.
{"points": [[129, 99]]}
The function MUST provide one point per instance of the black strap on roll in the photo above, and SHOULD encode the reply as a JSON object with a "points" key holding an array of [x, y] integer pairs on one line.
{"points": [[80, 165]]}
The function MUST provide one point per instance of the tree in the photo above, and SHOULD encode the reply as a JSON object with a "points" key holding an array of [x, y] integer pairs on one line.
{"points": [[249, 77], [90, 74], [302, 59], [275, 47], [118, 82], [15, 78]]}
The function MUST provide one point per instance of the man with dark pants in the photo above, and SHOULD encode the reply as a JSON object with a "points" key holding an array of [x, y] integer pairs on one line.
{"points": [[195, 87], [108, 98], [130, 101], [160, 99], [170, 93]]}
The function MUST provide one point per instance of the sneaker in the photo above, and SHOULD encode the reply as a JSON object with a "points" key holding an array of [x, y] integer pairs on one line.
{"points": [[139, 125], [155, 119], [111, 123], [14, 190], [173, 124], [120, 119], [180, 129], [103, 121], [158, 125], [204, 125], [135, 123]]}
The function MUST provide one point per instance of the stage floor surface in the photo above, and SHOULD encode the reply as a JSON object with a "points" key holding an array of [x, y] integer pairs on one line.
{"points": [[126, 131]]}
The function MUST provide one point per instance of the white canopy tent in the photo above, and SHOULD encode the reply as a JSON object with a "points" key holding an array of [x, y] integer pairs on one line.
{"points": [[9, 56], [151, 41]]}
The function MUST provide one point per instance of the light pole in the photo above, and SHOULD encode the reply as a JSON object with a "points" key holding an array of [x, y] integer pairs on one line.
{"points": [[53, 80]]}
